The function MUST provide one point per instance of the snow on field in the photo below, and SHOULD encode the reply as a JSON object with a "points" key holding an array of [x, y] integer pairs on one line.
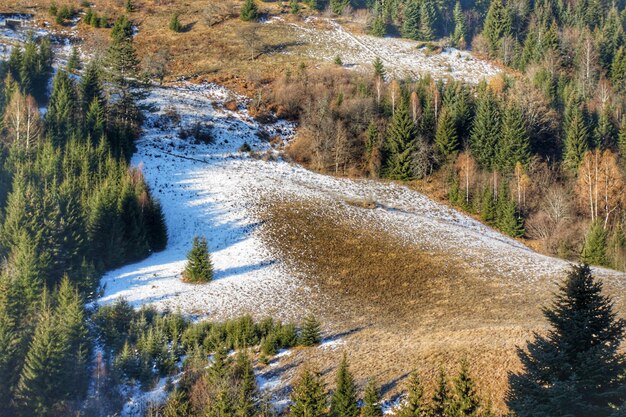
{"points": [[214, 190], [326, 39]]}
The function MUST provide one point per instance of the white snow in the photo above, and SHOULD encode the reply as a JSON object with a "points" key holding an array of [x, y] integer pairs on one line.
{"points": [[326, 39], [331, 344], [215, 191]]}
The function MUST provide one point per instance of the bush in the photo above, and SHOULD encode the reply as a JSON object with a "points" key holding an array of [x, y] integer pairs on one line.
{"points": [[249, 11]]}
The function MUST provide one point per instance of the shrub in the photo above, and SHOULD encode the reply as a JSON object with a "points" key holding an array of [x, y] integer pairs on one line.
{"points": [[175, 25], [248, 11]]}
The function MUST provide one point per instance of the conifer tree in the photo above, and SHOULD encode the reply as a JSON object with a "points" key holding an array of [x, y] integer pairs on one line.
{"points": [[618, 70], [577, 368], [497, 26], [91, 86], [604, 134], [344, 400], [441, 398], [446, 138], [10, 341], [371, 401], [247, 389], [175, 25], [594, 249], [311, 331], [576, 140], [464, 401], [411, 23], [414, 406], [73, 63], [400, 143], [379, 68], [248, 11], [515, 143], [487, 206], [458, 38], [308, 397], [428, 23], [95, 120], [61, 114], [199, 268], [621, 140], [486, 130], [379, 28], [156, 228]]}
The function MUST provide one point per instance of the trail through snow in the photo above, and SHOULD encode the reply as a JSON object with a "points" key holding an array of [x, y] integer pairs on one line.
{"points": [[214, 190]]}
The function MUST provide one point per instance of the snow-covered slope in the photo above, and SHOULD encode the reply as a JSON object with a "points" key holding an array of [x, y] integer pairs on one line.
{"points": [[216, 191], [325, 39]]}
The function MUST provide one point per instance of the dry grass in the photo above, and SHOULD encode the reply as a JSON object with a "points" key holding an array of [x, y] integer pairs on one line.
{"points": [[399, 307]]}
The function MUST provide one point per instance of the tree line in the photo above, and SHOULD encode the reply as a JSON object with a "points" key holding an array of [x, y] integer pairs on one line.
{"points": [[72, 208]]}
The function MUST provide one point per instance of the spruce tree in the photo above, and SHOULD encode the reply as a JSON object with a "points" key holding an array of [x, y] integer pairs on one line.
{"points": [[446, 138], [515, 143], [458, 38], [604, 133], [311, 331], [577, 368], [411, 23], [344, 400], [61, 114], [248, 11], [428, 20], [621, 140], [486, 130], [400, 143], [618, 70], [73, 63], [576, 140], [156, 228], [371, 401], [379, 68], [175, 25], [199, 268], [414, 406], [497, 26], [594, 249], [307, 397], [440, 401], [464, 402], [379, 27], [247, 389]]}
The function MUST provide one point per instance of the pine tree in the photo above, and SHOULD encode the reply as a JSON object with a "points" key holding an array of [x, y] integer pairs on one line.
{"points": [[594, 249], [344, 400], [464, 400], [90, 86], [604, 134], [486, 130], [248, 11], [446, 138], [311, 331], [577, 368], [294, 6], [371, 401], [308, 398], [515, 143], [175, 25], [199, 268], [621, 139], [61, 114], [11, 340], [458, 38], [440, 402], [156, 228], [618, 70], [414, 406], [576, 140], [487, 206], [400, 143], [338, 6], [411, 23]]}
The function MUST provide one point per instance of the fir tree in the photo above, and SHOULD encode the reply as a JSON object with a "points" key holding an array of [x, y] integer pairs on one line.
{"points": [[73, 63], [497, 26], [311, 331], [400, 143], [428, 20], [576, 140], [247, 389], [344, 401], [621, 139], [414, 406], [175, 25], [61, 114], [515, 144], [577, 368], [411, 23], [294, 6], [379, 27], [90, 86], [156, 228], [486, 130], [379, 68], [446, 138], [487, 206], [440, 402], [199, 268], [604, 134], [464, 400], [308, 398], [371, 401], [458, 38], [248, 11], [618, 70], [594, 249]]}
